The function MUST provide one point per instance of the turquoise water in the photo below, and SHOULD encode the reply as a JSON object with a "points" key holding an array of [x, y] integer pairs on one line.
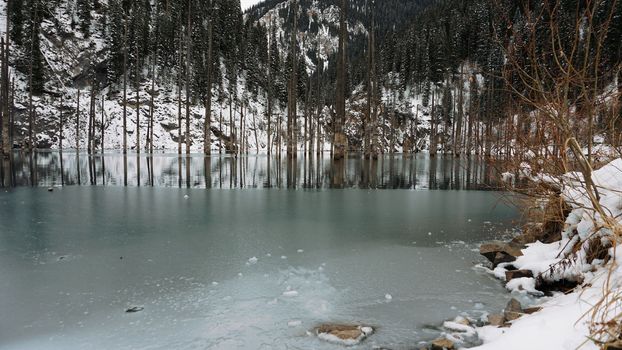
{"points": [[73, 260]]}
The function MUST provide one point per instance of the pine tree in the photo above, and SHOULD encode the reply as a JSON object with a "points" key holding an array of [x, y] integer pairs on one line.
{"points": [[17, 20], [84, 7], [114, 41], [32, 44]]}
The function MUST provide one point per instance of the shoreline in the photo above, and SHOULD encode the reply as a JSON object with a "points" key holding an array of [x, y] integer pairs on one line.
{"points": [[567, 264]]}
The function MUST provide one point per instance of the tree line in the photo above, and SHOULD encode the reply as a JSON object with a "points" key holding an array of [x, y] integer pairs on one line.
{"points": [[444, 63]]}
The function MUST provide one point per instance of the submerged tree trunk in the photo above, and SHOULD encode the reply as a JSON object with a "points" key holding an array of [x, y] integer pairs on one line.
{"points": [[188, 57], [340, 143], [207, 127], [78, 123], [179, 84], [7, 101], [292, 86], [125, 87]]}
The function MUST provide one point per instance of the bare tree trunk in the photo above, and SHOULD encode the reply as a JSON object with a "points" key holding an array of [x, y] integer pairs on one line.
{"points": [[207, 129], [241, 150], [60, 121], [125, 86], [179, 84], [78, 124], [255, 131], [137, 82], [30, 74], [103, 126], [151, 107], [460, 116], [269, 93], [367, 125], [292, 93], [231, 124], [433, 126], [89, 136], [6, 107], [188, 59], [340, 143]]}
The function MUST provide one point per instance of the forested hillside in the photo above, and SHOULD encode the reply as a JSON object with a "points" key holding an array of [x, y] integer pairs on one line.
{"points": [[156, 74]]}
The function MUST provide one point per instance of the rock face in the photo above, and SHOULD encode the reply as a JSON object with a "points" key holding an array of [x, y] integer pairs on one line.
{"points": [[343, 334], [513, 310], [499, 252], [510, 275], [442, 344]]}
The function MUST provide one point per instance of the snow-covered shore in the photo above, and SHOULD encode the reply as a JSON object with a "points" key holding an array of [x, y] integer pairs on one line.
{"points": [[566, 319]]}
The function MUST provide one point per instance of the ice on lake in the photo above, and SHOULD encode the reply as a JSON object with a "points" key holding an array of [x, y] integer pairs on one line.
{"points": [[193, 266]]}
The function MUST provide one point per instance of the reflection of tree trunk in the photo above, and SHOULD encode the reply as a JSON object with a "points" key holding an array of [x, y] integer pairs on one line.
{"points": [[90, 164], [188, 160], [62, 169], [207, 165], [179, 173], [150, 170], [3, 171], [103, 170], [78, 169], [233, 172], [432, 182], [338, 173], [290, 172], [269, 172], [125, 170], [138, 170], [220, 171]]}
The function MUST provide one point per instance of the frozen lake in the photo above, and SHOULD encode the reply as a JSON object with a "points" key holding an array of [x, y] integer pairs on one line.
{"points": [[240, 268]]}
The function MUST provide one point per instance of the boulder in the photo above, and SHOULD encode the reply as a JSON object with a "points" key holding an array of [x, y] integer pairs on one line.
{"points": [[510, 275], [442, 344], [499, 252], [497, 320], [513, 310], [343, 334]]}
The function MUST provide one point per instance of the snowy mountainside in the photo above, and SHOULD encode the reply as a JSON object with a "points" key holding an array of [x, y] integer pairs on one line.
{"points": [[69, 56]]}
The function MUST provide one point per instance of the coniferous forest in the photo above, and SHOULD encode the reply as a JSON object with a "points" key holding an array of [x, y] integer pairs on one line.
{"points": [[415, 75]]}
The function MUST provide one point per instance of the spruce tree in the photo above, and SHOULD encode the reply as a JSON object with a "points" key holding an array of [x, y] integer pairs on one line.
{"points": [[83, 8]]}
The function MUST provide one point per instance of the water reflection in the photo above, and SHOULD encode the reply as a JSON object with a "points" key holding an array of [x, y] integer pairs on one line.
{"points": [[259, 171]]}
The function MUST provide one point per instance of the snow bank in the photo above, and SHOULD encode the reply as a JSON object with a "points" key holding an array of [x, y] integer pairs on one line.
{"points": [[562, 322]]}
